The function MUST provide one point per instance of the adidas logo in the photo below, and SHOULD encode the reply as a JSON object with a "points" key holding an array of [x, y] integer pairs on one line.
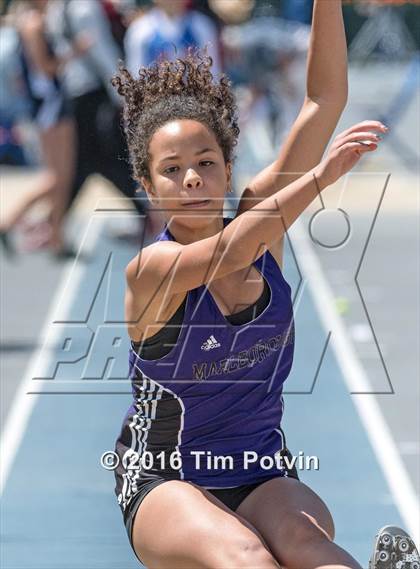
{"points": [[210, 344]]}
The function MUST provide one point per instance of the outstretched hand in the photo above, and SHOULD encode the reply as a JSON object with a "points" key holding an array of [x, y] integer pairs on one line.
{"points": [[347, 149]]}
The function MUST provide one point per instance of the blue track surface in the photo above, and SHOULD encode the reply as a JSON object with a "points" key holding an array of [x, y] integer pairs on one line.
{"points": [[59, 509]]}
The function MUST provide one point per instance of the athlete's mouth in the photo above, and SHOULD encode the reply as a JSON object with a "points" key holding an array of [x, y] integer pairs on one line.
{"points": [[196, 203]]}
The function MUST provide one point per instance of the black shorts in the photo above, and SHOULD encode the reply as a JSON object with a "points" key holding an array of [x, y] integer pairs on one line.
{"points": [[231, 497], [48, 112]]}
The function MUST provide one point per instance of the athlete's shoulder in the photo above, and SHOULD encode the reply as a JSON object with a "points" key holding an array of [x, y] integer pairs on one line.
{"points": [[151, 261]]}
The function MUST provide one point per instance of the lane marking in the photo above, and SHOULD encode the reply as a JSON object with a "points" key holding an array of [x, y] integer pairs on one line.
{"points": [[356, 379], [23, 403]]}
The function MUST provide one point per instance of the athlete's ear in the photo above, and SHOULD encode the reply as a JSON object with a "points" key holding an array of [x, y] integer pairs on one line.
{"points": [[148, 188]]}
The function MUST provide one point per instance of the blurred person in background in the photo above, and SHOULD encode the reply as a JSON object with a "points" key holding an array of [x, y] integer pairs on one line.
{"points": [[297, 11], [267, 37], [51, 113], [167, 30], [101, 146], [118, 13]]}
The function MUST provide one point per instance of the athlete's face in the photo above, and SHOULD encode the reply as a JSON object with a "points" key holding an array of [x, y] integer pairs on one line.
{"points": [[189, 176]]}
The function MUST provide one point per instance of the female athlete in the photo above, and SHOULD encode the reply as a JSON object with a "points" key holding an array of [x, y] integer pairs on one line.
{"points": [[210, 318]]}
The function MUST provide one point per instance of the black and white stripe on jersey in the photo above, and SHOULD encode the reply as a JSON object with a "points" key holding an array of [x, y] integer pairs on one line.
{"points": [[156, 426], [164, 412]]}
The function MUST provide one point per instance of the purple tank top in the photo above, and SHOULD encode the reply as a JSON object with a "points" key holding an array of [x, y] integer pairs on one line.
{"points": [[210, 409]]}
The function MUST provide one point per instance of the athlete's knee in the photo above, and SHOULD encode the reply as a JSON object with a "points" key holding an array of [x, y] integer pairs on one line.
{"points": [[303, 529], [243, 553], [248, 553]]}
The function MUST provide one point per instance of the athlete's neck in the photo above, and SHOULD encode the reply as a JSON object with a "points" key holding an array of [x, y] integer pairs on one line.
{"points": [[185, 234]]}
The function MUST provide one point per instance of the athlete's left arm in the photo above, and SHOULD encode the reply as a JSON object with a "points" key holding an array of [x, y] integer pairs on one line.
{"points": [[326, 97]]}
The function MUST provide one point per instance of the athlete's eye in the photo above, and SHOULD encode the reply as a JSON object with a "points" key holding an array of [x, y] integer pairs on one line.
{"points": [[206, 162], [171, 170]]}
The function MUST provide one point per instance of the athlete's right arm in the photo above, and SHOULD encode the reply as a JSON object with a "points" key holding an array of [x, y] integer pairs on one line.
{"points": [[168, 268]]}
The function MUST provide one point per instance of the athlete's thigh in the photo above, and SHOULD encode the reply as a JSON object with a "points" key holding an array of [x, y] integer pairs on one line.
{"points": [[283, 509], [179, 525]]}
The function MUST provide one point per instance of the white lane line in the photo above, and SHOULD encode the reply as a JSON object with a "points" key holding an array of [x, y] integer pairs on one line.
{"points": [[23, 403], [356, 379]]}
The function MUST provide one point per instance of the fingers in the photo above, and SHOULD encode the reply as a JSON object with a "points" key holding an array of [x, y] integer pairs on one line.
{"points": [[359, 147], [359, 137], [363, 127]]}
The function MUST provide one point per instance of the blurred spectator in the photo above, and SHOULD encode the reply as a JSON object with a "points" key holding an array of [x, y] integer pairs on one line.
{"points": [[233, 12], [297, 10], [384, 33], [204, 7], [267, 9], [14, 99], [276, 48], [51, 113], [101, 146], [11, 151], [115, 11], [167, 30]]}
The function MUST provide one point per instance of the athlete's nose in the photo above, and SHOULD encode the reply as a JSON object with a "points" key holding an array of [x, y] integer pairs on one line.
{"points": [[192, 180]]}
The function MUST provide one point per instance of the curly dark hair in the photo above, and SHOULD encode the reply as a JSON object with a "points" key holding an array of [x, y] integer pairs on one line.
{"points": [[170, 90]]}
